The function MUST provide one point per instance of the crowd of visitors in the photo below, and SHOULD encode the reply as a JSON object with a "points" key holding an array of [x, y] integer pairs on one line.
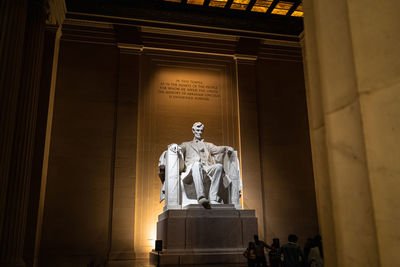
{"points": [[289, 255]]}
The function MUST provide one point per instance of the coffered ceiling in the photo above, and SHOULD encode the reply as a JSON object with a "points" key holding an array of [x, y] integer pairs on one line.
{"points": [[274, 19], [292, 8]]}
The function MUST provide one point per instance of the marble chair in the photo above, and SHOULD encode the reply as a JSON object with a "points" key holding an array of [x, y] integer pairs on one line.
{"points": [[179, 194]]}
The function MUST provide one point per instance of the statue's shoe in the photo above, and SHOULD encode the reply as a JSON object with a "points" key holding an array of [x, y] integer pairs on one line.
{"points": [[214, 202], [205, 203]]}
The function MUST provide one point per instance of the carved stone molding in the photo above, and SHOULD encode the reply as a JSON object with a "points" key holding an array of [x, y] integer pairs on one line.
{"points": [[195, 34], [245, 59], [301, 39], [130, 48]]}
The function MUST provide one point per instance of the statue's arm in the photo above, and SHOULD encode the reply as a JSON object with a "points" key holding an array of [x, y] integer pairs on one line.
{"points": [[181, 156], [214, 150], [182, 148]]}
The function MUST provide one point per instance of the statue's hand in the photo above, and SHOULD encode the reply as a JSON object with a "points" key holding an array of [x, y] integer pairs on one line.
{"points": [[174, 147], [229, 150]]}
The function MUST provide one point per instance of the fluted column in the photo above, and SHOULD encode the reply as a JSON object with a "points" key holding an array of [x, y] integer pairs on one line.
{"points": [[42, 144], [56, 10], [12, 29], [339, 140], [377, 66], [317, 130], [13, 232]]}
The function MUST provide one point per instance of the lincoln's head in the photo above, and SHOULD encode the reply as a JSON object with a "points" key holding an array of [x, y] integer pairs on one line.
{"points": [[197, 130]]}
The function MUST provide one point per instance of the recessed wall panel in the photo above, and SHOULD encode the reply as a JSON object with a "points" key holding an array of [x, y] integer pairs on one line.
{"points": [[177, 90]]}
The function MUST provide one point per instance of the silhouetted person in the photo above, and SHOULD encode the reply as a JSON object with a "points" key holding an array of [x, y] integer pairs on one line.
{"points": [[292, 253], [260, 255], [307, 248], [274, 254], [315, 256], [318, 241], [250, 254]]}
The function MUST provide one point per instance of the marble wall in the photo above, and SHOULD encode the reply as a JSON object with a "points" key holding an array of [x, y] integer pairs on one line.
{"points": [[117, 107], [94, 198], [288, 182], [177, 90], [77, 207]]}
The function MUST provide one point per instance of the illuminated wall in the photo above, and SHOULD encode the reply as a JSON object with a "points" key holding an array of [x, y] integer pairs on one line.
{"points": [[117, 108], [77, 205], [177, 90]]}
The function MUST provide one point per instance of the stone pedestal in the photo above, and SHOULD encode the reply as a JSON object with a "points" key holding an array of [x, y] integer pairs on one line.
{"points": [[204, 236]]}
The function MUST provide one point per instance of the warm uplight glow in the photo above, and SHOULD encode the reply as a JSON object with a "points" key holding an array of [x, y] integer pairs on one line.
{"points": [[175, 95], [240, 4], [261, 6], [298, 12], [151, 230], [218, 3], [282, 8], [195, 2]]}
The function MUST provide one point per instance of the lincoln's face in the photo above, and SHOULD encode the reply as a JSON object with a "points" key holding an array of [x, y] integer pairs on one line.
{"points": [[198, 131]]}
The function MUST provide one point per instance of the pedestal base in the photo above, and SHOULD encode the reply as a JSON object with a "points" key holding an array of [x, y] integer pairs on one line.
{"points": [[204, 236]]}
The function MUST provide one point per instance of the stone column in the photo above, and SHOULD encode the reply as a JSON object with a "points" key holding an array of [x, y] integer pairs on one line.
{"points": [[12, 28], [339, 136], [123, 196], [249, 138], [375, 28], [56, 13], [15, 209], [318, 144]]}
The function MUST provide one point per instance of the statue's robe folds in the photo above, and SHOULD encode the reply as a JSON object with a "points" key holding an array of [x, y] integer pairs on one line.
{"points": [[207, 154]]}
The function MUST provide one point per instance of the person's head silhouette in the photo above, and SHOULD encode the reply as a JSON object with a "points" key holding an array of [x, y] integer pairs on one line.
{"points": [[292, 238]]}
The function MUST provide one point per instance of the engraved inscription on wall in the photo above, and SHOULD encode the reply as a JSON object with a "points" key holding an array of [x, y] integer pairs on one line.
{"points": [[189, 90]]}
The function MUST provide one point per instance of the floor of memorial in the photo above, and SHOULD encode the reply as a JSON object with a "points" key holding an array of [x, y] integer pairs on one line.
{"points": [[146, 263]]}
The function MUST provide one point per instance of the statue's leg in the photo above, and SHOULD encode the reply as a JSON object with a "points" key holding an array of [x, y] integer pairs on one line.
{"points": [[197, 174], [215, 174]]}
